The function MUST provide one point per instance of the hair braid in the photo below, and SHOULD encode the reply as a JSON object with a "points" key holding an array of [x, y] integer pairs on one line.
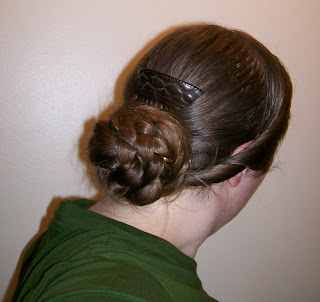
{"points": [[129, 151]]}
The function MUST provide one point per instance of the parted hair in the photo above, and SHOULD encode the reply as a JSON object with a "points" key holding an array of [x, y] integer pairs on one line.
{"points": [[144, 152]]}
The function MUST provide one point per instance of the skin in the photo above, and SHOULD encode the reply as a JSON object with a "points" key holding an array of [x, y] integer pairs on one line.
{"points": [[189, 219]]}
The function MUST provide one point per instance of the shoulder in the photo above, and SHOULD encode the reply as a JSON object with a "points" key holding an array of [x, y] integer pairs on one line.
{"points": [[97, 280], [100, 279]]}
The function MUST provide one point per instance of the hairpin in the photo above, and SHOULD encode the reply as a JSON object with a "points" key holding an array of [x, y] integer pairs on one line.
{"points": [[166, 159], [165, 90]]}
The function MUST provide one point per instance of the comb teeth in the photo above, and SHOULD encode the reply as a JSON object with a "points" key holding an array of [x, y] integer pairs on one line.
{"points": [[150, 102], [164, 91]]}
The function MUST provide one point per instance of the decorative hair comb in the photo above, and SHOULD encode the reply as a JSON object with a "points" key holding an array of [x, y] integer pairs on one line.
{"points": [[166, 91]]}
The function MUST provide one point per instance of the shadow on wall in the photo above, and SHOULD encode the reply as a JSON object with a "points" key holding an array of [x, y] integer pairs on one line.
{"points": [[83, 155]]}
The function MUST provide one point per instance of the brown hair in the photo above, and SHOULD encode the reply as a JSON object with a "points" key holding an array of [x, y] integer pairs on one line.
{"points": [[247, 98]]}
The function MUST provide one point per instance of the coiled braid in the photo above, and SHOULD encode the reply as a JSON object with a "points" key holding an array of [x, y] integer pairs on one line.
{"points": [[129, 152]]}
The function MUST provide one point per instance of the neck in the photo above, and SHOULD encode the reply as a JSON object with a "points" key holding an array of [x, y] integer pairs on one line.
{"points": [[185, 222]]}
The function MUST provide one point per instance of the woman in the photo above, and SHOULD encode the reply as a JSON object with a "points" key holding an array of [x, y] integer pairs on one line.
{"points": [[203, 114]]}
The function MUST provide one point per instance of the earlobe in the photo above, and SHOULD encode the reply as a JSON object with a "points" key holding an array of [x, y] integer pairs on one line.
{"points": [[235, 180]]}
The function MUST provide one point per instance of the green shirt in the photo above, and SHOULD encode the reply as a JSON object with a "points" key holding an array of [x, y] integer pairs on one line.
{"points": [[85, 256]]}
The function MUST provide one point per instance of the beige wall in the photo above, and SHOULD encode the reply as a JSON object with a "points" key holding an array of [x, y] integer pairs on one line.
{"points": [[59, 61]]}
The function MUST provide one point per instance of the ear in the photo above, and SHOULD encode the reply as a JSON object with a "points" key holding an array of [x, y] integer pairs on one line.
{"points": [[235, 180], [242, 147]]}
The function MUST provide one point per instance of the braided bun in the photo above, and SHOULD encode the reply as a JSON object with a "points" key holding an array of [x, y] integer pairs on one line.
{"points": [[140, 153]]}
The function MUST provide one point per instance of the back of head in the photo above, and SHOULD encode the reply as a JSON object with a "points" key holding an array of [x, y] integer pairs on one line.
{"points": [[152, 147]]}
